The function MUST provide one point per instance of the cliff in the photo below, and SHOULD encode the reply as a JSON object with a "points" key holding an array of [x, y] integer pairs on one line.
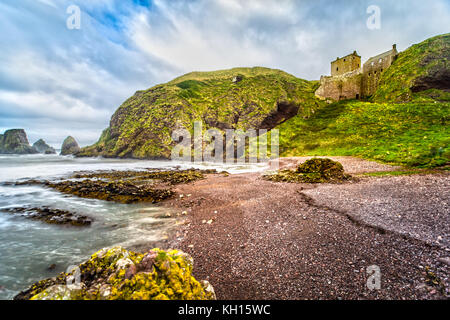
{"points": [[241, 98], [15, 141]]}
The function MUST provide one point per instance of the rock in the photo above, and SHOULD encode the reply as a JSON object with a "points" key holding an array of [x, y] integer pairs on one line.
{"points": [[69, 146], [51, 216], [445, 260], [316, 170], [42, 147], [15, 141], [103, 278]]}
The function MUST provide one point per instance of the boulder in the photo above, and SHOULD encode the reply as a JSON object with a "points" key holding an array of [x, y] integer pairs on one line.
{"points": [[43, 147], [69, 146], [315, 170], [15, 141], [118, 274]]}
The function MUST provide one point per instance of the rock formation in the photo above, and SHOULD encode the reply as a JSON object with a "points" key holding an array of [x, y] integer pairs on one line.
{"points": [[15, 141], [43, 147], [69, 146]]}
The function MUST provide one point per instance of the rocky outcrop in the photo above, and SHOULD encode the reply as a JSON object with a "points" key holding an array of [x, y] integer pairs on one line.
{"points": [[118, 274], [15, 141], [315, 170], [69, 146], [43, 147], [52, 216]]}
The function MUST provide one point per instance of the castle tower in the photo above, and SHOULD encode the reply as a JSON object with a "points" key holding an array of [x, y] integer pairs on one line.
{"points": [[346, 64]]}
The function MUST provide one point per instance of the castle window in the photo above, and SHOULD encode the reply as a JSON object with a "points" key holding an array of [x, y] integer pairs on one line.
{"points": [[337, 69], [380, 61], [370, 74], [344, 60], [372, 64]]}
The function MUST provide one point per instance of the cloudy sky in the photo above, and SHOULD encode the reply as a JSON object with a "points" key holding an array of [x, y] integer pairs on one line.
{"points": [[56, 81]]}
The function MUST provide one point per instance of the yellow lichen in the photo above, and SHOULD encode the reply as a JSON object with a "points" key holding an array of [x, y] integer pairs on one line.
{"points": [[118, 274]]}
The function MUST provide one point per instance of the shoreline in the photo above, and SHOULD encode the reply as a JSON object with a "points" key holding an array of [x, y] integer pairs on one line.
{"points": [[256, 239]]}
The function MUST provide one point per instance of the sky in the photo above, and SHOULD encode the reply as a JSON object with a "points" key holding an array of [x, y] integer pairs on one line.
{"points": [[57, 81]]}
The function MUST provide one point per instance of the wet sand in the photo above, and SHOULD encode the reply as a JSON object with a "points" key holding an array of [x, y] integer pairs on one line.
{"points": [[257, 239]]}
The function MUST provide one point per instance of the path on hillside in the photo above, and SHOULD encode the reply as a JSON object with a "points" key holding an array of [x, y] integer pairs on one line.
{"points": [[272, 240]]}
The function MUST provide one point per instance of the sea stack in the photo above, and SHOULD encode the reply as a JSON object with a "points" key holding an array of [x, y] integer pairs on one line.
{"points": [[43, 147], [15, 141], [69, 146]]}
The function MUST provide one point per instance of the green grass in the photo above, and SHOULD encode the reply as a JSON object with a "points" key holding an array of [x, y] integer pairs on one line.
{"points": [[399, 173], [410, 134]]}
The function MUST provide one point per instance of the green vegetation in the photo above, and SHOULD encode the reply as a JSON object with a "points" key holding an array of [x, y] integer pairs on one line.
{"points": [[399, 172], [118, 274], [418, 73], [411, 134]]}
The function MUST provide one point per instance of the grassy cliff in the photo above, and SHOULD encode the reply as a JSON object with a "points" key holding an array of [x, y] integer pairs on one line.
{"points": [[422, 72], [240, 98]]}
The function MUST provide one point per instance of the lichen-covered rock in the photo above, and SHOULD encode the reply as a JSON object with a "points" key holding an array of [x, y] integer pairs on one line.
{"points": [[118, 274], [316, 170], [15, 141], [69, 146], [321, 170], [42, 147]]}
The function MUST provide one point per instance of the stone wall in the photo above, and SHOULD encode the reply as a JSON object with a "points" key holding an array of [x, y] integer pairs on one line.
{"points": [[347, 86], [373, 69]]}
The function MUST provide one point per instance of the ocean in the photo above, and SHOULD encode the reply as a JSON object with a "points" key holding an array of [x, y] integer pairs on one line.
{"points": [[28, 247]]}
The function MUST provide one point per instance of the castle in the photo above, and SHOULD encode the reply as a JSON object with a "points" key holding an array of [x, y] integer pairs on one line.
{"points": [[349, 80]]}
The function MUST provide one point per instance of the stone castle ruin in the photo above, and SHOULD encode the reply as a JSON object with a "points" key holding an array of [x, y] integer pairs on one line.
{"points": [[350, 80]]}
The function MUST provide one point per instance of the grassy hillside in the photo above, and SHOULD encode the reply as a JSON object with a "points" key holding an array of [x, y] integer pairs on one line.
{"points": [[240, 98], [422, 72], [412, 134]]}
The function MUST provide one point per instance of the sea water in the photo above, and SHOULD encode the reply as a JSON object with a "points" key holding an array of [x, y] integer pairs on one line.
{"points": [[28, 248]]}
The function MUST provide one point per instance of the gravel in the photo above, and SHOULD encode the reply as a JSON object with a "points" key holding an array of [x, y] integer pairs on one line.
{"points": [[272, 240]]}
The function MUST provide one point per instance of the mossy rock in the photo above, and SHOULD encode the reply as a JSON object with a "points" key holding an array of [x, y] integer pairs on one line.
{"points": [[118, 274], [321, 170], [316, 170]]}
